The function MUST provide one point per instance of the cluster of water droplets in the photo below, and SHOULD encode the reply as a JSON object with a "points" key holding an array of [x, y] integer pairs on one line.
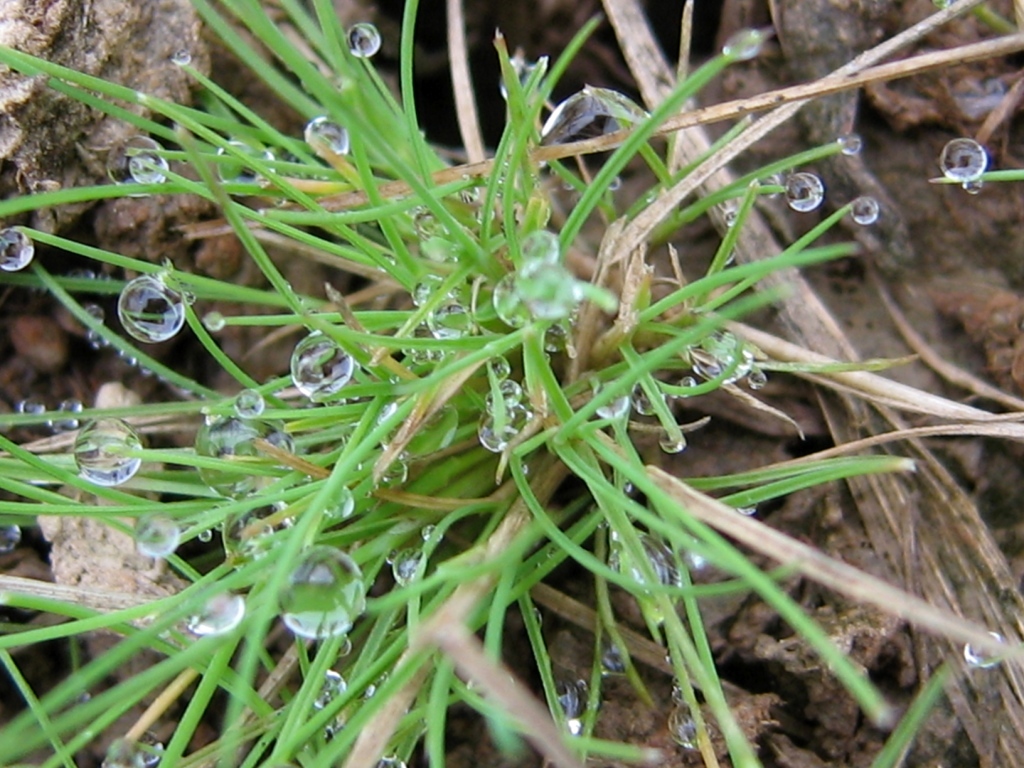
{"points": [[102, 452], [506, 411], [964, 161], [150, 310], [16, 249], [324, 594]]}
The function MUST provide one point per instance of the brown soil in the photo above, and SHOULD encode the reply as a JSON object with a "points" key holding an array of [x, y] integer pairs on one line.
{"points": [[954, 262]]}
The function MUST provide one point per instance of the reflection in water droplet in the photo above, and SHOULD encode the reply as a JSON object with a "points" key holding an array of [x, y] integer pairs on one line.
{"points": [[343, 507], [100, 452], [508, 304], [719, 352], [864, 210], [572, 698], [963, 160], [181, 57], [150, 311], [320, 367], [156, 535], [590, 113], [363, 40], [324, 595], [495, 436], [682, 727], [972, 187], [16, 249], [334, 685], [234, 169], [612, 662], [804, 192], [231, 437], [548, 290], [219, 615], [405, 565], [450, 321], [543, 246]]}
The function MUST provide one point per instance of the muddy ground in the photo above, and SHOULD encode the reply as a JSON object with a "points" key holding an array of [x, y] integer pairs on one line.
{"points": [[954, 262]]}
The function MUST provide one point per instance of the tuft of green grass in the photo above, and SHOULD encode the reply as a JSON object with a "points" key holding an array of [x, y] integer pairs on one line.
{"points": [[390, 470]]}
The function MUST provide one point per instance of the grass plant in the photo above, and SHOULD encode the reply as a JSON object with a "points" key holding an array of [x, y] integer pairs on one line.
{"points": [[390, 470]]}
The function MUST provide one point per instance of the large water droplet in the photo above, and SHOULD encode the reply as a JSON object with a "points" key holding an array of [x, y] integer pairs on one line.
{"points": [[864, 210], [744, 44], [541, 245], [149, 310], [324, 594], [979, 659], [322, 132], [363, 40], [68, 422], [248, 535], [963, 160], [10, 537], [223, 437], [320, 367], [129, 754], [16, 249], [804, 192], [343, 507], [249, 404], [682, 727], [137, 161], [450, 321], [591, 112], [156, 535], [717, 353], [218, 616], [658, 555], [405, 565], [572, 698], [850, 144], [100, 452]]}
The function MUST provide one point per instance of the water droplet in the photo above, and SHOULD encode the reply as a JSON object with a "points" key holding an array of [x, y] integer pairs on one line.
{"points": [[218, 616], [673, 444], [150, 311], [523, 69], [320, 367], [980, 660], [231, 437], [333, 687], [440, 250], [640, 402], [730, 213], [232, 169], [543, 246], [682, 727], [214, 321], [363, 40], [616, 409], [425, 288], [322, 132], [10, 537], [427, 532], [450, 321], [804, 192], [744, 44], [391, 762], [205, 535], [572, 698], [548, 290], [612, 662], [590, 113], [405, 565], [249, 404], [156, 535], [100, 452], [137, 161], [324, 595], [16, 249], [864, 210], [508, 304], [495, 437], [973, 187], [246, 535], [658, 555], [757, 378], [850, 144], [511, 393], [499, 367], [181, 57], [963, 160], [129, 754], [343, 507], [68, 422], [31, 406], [719, 352], [747, 511]]}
